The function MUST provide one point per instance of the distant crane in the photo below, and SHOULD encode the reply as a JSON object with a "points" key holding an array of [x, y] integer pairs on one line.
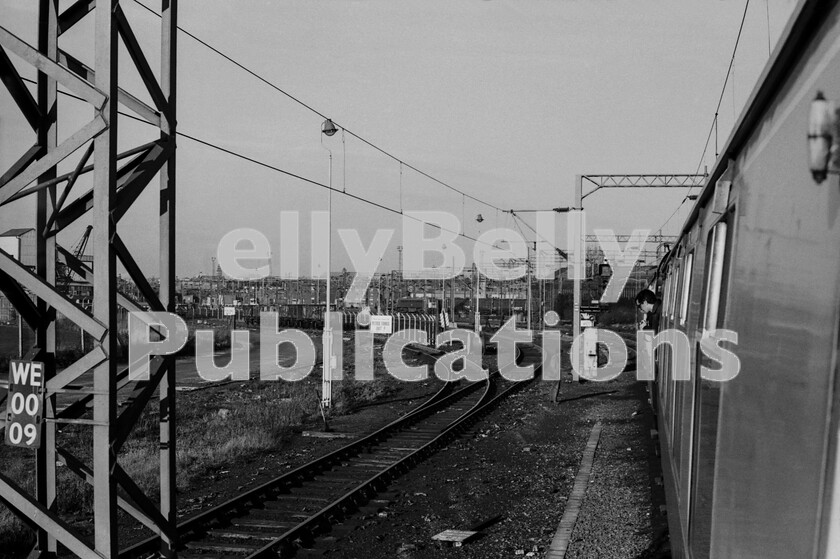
{"points": [[64, 275]]}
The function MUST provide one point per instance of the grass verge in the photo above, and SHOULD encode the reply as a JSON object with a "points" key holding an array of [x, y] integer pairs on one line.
{"points": [[216, 428]]}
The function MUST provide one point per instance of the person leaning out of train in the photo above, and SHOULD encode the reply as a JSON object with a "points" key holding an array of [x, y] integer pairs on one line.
{"points": [[649, 304]]}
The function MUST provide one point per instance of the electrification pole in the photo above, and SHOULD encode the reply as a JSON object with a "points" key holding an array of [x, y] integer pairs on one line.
{"points": [[328, 361]]}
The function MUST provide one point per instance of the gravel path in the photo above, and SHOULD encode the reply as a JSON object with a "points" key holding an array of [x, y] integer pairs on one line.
{"points": [[614, 520], [519, 464]]}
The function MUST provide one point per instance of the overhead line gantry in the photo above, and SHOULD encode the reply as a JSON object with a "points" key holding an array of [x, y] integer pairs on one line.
{"points": [[578, 244]]}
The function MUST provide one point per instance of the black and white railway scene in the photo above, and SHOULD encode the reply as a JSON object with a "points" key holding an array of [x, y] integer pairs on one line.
{"points": [[420, 279]]}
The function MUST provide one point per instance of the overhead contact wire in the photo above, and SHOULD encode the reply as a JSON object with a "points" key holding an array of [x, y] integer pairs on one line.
{"points": [[713, 127], [285, 172], [319, 113]]}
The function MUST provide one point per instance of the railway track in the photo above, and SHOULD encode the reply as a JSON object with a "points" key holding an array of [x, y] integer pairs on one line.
{"points": [[290, 512]]}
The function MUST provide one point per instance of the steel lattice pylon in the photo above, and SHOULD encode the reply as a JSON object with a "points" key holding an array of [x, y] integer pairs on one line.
{"points": [[114, 190]]}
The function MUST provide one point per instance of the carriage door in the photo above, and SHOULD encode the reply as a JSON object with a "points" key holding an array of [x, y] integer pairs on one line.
{"points": [[831, 518], [707, 396]]}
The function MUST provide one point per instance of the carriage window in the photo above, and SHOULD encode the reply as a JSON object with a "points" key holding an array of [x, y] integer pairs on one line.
{"points": [[678, 292], [672, 407], [666, 291], [707, 396], [715, 277], [673, 295], [833, 537], [689, 263], [831, 525]]}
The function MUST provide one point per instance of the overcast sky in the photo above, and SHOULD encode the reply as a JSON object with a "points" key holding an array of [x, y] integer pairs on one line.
{"points": [[504, 100]]}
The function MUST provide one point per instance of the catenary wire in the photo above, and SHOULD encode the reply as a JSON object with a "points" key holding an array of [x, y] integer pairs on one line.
{"points": [[288, 173], [713, 126], [319, 113]]}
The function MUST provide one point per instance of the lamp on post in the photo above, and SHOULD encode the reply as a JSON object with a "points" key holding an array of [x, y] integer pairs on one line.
{"points": [[328, 129], [479, 218], [579, 262]]}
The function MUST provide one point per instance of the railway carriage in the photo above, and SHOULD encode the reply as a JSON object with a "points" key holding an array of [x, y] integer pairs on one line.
{"points": [[751, 464]]}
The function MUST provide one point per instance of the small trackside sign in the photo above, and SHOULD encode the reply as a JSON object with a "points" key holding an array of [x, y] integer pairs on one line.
{"points": [[25, 404], [381, 324]]}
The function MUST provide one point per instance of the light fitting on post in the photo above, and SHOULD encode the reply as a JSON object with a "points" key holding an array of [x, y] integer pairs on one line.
{"points": [[821, 124], [328, 128]]}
